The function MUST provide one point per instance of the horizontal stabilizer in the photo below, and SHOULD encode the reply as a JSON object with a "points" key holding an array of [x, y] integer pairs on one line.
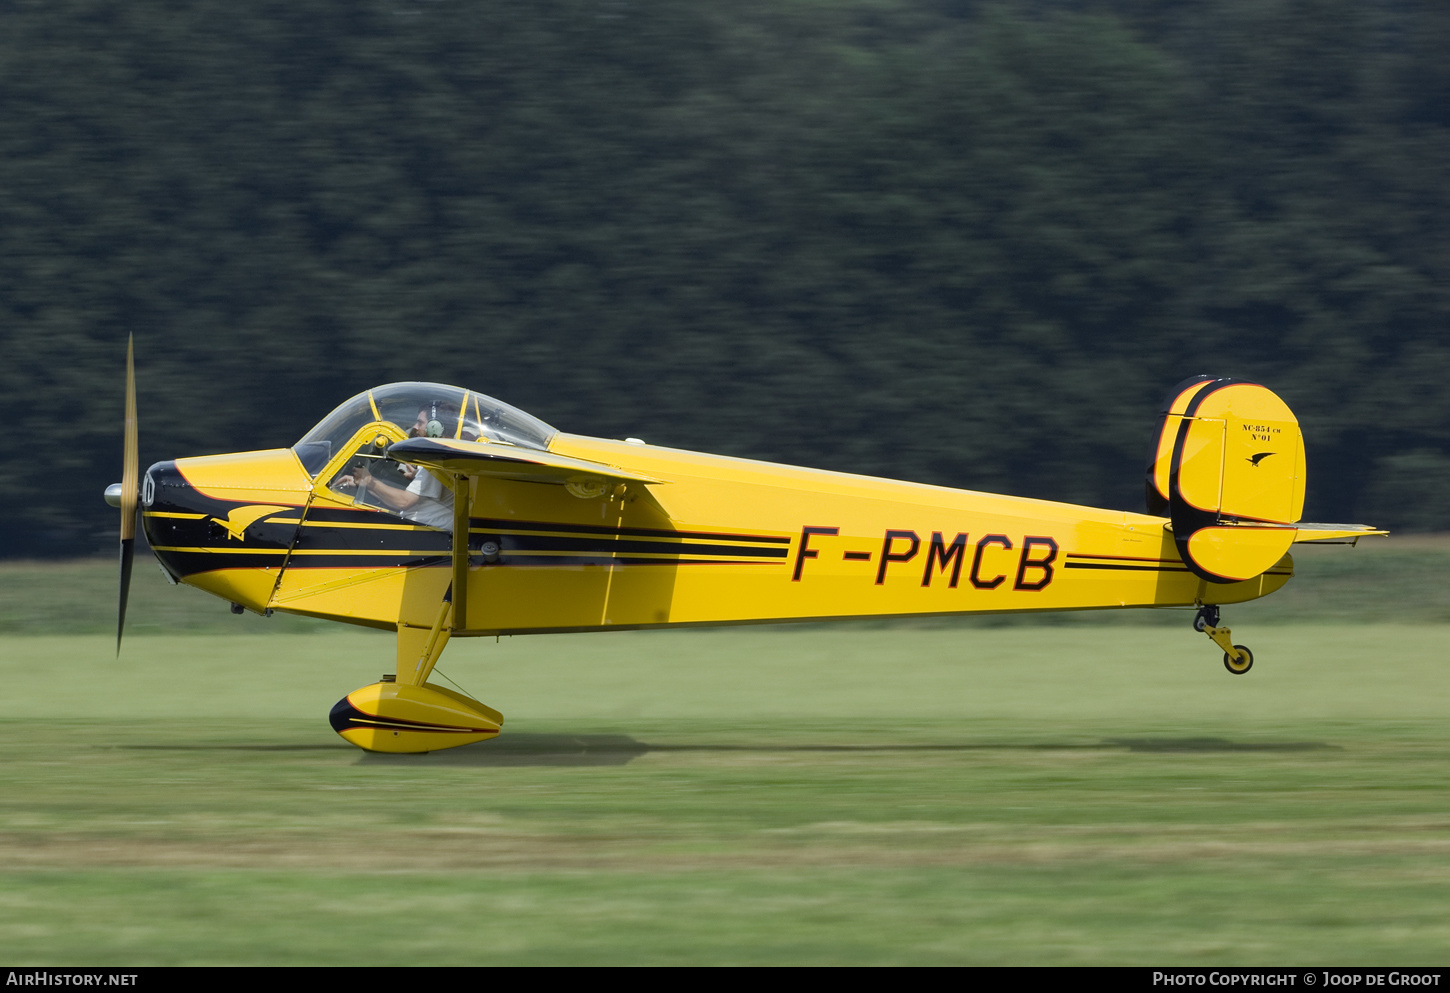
{"points": [[1334, 534], [478, 458]]}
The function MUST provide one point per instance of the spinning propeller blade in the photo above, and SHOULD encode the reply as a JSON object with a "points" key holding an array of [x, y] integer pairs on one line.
{"points": [[129, 474]]}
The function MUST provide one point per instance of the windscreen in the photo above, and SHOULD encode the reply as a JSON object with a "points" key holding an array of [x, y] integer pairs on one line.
{"points": [[423, 410]]}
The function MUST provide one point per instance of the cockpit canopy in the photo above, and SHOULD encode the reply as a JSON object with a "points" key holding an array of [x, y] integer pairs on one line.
{"points": [[422, 410]]}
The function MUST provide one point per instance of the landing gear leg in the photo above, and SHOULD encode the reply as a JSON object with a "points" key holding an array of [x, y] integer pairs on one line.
{"points": [[1236, 658]]}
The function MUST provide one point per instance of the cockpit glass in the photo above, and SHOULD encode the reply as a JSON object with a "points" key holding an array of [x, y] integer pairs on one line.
{"points": [[423, 410]]}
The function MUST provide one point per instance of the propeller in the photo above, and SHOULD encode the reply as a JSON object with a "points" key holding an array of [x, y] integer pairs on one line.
{"points": [[129, 473]]}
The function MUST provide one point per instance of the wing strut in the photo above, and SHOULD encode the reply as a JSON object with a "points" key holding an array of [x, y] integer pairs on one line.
{"points": [[461, 490]]}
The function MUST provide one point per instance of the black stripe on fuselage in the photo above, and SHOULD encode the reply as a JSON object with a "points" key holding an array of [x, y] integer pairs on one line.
{"points": [[1128, 563], [192, 532], [373, 537], [323, 538], [603, 545], [1123, 563], [318, 518], [496, 524], [1125, 568], [561, 561], [190, 562], [405, 547]]}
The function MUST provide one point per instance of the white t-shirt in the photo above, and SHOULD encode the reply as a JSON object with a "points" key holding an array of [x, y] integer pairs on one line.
{"points": [[435, 501]]}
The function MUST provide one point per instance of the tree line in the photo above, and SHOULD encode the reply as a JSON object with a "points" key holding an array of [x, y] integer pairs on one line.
{"points": [[960, 242]]}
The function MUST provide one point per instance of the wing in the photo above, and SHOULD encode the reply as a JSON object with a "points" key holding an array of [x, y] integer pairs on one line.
{"points": [[477, 458]]}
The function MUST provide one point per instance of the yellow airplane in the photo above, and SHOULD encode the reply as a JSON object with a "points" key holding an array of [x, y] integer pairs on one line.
{"points": [[437, 513]]}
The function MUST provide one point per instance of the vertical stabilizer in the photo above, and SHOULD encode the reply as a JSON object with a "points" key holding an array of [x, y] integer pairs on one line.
{"points": [[1228, 468]]}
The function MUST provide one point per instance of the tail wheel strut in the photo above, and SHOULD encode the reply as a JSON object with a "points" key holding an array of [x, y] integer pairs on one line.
{"points": [[1237, 659]]}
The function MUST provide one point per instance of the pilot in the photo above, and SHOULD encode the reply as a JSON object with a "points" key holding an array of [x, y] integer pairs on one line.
{"points": [[428, 500], [429, 423]]}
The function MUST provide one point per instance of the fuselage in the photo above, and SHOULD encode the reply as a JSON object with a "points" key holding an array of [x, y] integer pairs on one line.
{"points": [[716, 540]]}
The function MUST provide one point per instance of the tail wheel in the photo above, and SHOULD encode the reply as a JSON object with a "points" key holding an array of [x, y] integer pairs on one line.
{"points": [[1239, 666]]}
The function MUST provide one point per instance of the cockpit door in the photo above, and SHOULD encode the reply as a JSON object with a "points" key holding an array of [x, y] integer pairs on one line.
{"points": [[353, 552]]}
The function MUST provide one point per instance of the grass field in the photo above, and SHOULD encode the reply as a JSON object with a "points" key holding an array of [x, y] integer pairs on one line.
{"points": [[1079, 792]]}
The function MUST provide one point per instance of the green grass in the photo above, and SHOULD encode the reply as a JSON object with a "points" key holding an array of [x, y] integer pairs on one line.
{"points": [[862, 794]]}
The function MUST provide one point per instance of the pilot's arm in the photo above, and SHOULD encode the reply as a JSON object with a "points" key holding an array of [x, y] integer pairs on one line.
{"points": [[392, 496]]}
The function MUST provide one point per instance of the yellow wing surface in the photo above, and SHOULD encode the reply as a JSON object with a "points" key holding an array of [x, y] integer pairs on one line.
{"points": [[493, 461]]}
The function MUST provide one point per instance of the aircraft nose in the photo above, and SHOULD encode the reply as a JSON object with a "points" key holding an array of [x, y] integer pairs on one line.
{"points": [[113, 495], [166, 491], [168, 515]]}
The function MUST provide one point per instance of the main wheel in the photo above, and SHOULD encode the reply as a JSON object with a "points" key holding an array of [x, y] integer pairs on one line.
{"points": [[1236, 667]]}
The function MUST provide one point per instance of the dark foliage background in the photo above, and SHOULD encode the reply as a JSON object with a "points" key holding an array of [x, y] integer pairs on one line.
{"points": [[959, 242]]}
